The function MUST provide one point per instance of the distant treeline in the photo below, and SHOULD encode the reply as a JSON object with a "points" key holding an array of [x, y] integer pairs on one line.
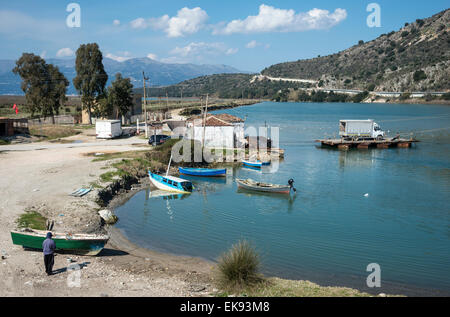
{"points": [[226, 86]]}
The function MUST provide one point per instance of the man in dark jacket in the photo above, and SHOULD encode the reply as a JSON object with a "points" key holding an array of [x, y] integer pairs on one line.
{"points": [[49, 247]]}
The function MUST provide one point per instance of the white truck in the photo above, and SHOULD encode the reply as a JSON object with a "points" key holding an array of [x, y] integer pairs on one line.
{"points": [[360, 129], [108, 129]]}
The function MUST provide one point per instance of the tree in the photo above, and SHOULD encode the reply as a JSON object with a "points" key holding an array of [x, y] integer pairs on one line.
{"points": [[120, 95], [91, 76], [419, 75], [43, 84]]}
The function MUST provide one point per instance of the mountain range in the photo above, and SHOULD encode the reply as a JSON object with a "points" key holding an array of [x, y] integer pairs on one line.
{"points": [[414, 58], [160, 74]]}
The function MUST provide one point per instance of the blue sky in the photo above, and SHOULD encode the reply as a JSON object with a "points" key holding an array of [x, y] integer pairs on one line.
{"points": [[246, 34]]}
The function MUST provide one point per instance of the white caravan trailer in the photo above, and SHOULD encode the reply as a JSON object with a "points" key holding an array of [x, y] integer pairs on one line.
{"points": [[108, 129]]}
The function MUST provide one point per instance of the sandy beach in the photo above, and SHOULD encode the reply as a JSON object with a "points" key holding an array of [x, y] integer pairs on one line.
{"points": [[41, 179]]}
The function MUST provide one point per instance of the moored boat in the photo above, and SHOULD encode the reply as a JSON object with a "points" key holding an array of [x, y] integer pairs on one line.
{"points": [[82, 244], [171, 183], [257, 164], [265, 187], [203, 172]]}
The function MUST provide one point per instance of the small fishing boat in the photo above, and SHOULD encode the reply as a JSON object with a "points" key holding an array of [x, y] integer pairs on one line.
{"points": [[203, 172], [257, 164], [265, 187], [171, 183], [82, 244]]}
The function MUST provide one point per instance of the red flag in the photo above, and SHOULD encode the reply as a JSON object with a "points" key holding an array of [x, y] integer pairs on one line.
{"points": [[16, 108]]}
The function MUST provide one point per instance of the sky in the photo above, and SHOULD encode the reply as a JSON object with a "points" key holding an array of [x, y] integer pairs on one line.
{"points": [[246, 34]]}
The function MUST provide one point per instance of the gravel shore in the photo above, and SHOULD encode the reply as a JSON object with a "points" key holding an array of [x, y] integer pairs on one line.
{"points": [[41, 180]]}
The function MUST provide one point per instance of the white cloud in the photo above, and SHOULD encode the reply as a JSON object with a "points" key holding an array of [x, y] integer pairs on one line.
{"points": [[152, 56], [198, 52], [139, 23], [65, 52], [116, 22], [270, 19], [231, 51], [252, 44], [187, 21], [202, 48], [119, 58]]}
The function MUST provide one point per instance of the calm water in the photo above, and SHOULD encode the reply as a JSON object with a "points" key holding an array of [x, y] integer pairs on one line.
{"points": [[329, 232]]}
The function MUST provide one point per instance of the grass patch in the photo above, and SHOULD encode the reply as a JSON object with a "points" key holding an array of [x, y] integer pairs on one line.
{"points": [[4, 142], [33, 220], [95, 185], [52, 132], [116, 155], [238, 268], [276, 287], [110, 176]]}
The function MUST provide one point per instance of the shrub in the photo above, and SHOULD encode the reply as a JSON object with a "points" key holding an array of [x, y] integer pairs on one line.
{"points": [[360, 97], [405, 95], [238, 268], [446, 96], [419, 75]]}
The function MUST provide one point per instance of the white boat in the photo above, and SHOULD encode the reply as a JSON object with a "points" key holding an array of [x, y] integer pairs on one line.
{"points": [[171, 183], [264, 187]]}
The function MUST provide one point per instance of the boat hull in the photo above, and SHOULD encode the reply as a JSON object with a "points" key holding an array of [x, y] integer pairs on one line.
{"points": [[277, 189], [203, 172], [63, 245], [255, 164]]}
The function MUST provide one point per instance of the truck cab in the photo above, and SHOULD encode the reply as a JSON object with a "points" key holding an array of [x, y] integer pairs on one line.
{"points": [[360, 129]]}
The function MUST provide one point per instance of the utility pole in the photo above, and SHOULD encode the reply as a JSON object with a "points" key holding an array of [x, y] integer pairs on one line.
{"points": [[167, 105], [204, 121], [145, 104]]}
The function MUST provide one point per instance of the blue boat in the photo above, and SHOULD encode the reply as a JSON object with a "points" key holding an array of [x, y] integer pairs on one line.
{"points": [[171, 183], [203, 172], [257, 164]]}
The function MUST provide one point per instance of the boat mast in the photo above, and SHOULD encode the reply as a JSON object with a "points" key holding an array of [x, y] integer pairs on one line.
{"points": [[168, 167]]}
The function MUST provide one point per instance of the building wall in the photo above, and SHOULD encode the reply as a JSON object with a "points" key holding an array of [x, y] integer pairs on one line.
{"points": [[215, 136]]}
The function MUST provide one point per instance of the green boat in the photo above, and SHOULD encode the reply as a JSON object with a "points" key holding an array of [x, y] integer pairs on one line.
{"points": [[82, 244]]}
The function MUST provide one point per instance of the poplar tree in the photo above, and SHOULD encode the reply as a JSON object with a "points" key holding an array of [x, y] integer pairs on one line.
{"points": [[91, 76]]}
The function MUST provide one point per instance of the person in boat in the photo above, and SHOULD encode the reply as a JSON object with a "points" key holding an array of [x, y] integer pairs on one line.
{"points": [[49, 246]]}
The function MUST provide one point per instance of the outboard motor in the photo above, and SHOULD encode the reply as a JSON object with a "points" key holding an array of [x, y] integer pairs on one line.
{"points": [[291, 184]]}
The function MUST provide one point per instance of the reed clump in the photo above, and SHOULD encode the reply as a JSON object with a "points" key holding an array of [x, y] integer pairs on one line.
{"points": [[238, 268]]}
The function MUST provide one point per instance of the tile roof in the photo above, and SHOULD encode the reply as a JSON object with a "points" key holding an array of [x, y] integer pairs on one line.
{"points": [[225, 118]]}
